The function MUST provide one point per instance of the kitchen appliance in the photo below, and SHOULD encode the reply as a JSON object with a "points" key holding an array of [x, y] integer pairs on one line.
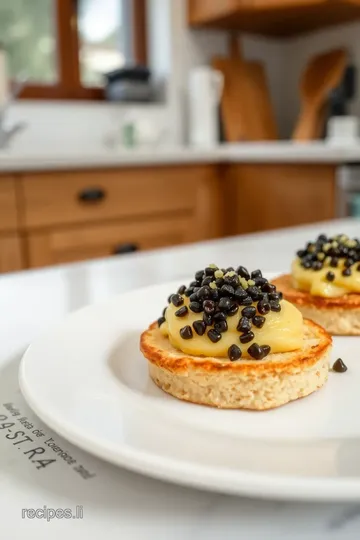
{"points": [[348, 191], [129, 84], [204, 92], [323, 73], [246, 109]]}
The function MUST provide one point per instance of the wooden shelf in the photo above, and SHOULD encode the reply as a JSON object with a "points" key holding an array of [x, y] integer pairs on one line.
{"points": [[281, 18]]}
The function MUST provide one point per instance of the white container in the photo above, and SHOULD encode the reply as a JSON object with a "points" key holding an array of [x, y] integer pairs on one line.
{"points": [[343, 130], [204, 93]]}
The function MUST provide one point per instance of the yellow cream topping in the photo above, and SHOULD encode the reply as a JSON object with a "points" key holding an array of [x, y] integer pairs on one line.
{"points": [[282, 331], [317, 283]]}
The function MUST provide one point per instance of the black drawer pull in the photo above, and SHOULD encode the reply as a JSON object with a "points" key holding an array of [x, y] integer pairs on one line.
{"points": [[92, 195], [122, 249]]}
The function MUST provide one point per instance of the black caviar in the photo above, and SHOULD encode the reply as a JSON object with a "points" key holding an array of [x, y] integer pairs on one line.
{"points": [[177, 300], [247, 337], [217, 294], [339, 366], [331, 252], [258, 352], [182, 311], [234, 353], [214, 336], [186, 332], [199, 327]]}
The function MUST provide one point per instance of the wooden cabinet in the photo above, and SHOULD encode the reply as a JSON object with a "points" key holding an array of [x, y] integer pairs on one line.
{"points": [[52, 218], [272, 17], [63, 198], [87, 242], [11, 253], [274, 196], [8, 209], [80, 215]]}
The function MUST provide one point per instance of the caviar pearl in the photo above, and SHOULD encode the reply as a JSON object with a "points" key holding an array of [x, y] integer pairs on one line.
{"points": [[256, 352], [224, 303], [258, 321], [263, 307], [199, 327], [346, 272], [330, 276], [256, 274], [177, 300], [244, 325], [161, 321], [199, 276], [221, 326], [204, 293], [249, 312], [195, 307], [339, 366], [214, 336], [234, 353], [242, 271], [275, 306], [208, 319], [254, 292], [246, 301], [209, 306], [182, 311], [246, 338], [227, 290], [233, 309], [240, 294], [219, 316], [266, 349], [186, 332]]}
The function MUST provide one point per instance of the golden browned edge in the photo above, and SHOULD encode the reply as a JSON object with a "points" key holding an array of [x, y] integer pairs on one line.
{"points": [[302, 298], [178, 362]]}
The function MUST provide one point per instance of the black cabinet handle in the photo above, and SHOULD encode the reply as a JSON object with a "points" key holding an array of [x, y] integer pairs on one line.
{"points": [[92, 195], [122, 249]]}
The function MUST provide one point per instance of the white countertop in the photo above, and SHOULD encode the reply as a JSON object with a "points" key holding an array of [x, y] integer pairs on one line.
{"points": [[116, 503], [271, 152]]}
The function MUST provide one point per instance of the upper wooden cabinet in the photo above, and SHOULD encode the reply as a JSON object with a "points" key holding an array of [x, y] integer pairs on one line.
{"points": [[272, 17]]}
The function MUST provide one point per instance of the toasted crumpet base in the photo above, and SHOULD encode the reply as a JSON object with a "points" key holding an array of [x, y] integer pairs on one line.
{"points": [[244, 384], [339, 316]]}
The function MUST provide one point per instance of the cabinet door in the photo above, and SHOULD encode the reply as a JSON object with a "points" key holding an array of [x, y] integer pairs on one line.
{"points": [[75, 198], [81, 243], [274, 196], [8, 210], [11, 256]]}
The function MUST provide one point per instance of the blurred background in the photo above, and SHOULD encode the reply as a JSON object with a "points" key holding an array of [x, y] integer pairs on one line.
{"points": [[128, 125]]}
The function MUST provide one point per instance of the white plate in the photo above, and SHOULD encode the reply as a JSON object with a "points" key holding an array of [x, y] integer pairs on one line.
{"points": [[89, 382]]}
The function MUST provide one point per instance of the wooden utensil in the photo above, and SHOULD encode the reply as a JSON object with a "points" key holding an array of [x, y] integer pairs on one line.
{"points": [[245, 106], [263, 124], [322, 74]]}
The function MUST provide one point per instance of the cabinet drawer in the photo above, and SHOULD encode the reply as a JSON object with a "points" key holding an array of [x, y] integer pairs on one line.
{"points": [[80, 243], [11, 256], [8, 212], [79, 197]]}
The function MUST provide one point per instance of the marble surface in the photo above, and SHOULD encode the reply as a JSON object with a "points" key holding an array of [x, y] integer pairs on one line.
{"points": [[116, 503], [267, 152]]}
